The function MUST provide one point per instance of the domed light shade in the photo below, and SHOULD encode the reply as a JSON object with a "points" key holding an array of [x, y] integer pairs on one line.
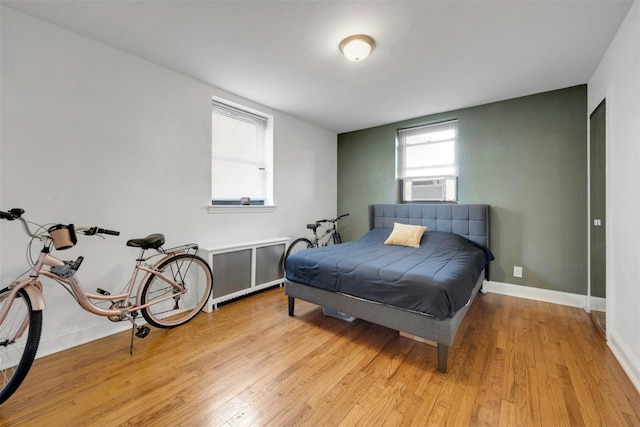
{"points": [[356, 48]]}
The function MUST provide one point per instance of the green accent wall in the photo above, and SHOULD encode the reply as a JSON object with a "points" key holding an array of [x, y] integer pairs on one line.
{"points": [[526, 157]]}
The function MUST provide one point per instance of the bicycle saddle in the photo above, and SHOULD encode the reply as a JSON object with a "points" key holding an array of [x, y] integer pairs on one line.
{"points": [[152, 241], [313, 226]]}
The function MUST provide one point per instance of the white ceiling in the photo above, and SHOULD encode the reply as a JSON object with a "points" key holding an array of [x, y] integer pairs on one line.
{"points": [[430, 56]]}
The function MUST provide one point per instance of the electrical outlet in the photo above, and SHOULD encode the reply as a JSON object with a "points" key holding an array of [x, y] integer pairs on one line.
{"points": [[517, 271]]}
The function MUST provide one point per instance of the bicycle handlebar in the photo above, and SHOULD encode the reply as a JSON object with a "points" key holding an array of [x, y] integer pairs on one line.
{"points": [[16, 213], [110, 232], [333, 220], [12, 214], [97, 230]]}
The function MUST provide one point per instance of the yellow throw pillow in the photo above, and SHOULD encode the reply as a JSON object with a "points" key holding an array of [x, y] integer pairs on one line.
{"points": [[406, 235]]}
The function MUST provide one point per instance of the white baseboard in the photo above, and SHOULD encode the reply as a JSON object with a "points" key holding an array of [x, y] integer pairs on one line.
{"points": [[630, 364], [528, 292], [78, 337], [596, 303]]}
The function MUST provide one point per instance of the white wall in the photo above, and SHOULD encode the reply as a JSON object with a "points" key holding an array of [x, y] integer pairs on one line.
{"points": [[617, 79], [93, 136]]}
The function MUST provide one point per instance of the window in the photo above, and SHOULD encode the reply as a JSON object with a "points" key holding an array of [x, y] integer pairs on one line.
{"points": [[241, 156], [428, 162]]}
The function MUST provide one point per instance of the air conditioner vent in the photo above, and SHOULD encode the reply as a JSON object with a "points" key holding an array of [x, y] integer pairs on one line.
{"points": [[424, 182], [429, 189]]}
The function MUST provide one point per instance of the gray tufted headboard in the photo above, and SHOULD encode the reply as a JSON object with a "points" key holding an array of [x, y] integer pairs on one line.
{"points": [[470, 221]]}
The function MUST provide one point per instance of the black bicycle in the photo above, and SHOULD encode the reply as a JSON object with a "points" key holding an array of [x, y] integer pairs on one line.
{"points": [[329, 237]]}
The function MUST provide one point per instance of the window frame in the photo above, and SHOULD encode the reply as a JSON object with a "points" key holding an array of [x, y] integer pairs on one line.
{"points": [[401, 162], [227, 204]]}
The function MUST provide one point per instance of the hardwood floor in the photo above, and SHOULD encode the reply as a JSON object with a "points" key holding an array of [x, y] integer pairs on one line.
{"points": [[515, 362]]}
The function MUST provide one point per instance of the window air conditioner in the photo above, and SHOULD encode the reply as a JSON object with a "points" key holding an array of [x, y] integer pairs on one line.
{"points": [[428, 189]]}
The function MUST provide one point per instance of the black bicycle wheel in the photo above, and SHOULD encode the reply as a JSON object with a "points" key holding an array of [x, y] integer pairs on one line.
{"points": [[336, 238], [17, 350], [297, 245], [169, 307]]}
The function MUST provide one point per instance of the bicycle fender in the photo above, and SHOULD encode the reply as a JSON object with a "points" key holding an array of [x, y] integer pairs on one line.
{"points": [[35, 295]]}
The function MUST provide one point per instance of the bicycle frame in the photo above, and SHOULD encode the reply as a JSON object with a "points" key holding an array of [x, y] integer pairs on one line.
{"points": [[323, 240], [329, 232], [34, 287]]}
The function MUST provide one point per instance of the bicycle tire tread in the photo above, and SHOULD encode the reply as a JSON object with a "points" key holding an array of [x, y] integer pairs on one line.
{"points": [[30, 350]]}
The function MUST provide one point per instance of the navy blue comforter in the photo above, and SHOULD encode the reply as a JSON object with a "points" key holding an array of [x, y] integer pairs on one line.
{"points": [[435, 279]]}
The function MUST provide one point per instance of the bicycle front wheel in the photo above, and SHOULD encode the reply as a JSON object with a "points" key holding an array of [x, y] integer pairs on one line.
{"points": [[169, 307], [19, 340], [297, 245]]}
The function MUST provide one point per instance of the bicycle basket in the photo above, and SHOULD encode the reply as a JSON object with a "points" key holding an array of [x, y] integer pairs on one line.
{"points": [[63, 236]]}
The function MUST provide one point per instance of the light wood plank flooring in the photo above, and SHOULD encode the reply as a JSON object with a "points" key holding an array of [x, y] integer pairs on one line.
{"points": [[515, 362]]}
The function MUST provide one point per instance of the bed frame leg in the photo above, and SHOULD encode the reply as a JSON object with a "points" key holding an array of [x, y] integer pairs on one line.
{"points": [[292, 303], [443, 351]]}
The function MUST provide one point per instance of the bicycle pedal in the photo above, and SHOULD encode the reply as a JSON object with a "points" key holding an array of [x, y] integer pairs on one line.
{"points": [[143, 331], [102, 292]]}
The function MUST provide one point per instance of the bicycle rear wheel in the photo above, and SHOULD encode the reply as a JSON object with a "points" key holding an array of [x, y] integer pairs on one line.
{"points": [[17, 350], [169, 307]]}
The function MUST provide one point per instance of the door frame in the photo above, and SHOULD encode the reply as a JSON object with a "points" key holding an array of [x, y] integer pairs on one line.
{"points": [[608, 304]]}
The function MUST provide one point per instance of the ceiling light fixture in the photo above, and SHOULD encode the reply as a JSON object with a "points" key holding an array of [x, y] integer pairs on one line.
{"points": [[357, 48]]}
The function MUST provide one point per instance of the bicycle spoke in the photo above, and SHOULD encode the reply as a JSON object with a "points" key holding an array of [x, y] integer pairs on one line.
{"points": [[193, 276]]}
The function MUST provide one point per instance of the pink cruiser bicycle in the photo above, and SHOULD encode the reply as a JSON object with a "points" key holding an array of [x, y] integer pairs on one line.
{"points": [[168, 292]]}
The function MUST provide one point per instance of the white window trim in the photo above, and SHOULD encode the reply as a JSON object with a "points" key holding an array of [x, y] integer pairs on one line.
{"points": [[401, 174], [225, 209], [401, 151], [269, 205]]}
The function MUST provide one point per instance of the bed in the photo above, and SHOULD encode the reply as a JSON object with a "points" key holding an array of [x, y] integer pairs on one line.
{"points": [[366, 279]]}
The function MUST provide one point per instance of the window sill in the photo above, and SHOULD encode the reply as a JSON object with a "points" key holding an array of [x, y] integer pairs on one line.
{"points": [[218, 209]]}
